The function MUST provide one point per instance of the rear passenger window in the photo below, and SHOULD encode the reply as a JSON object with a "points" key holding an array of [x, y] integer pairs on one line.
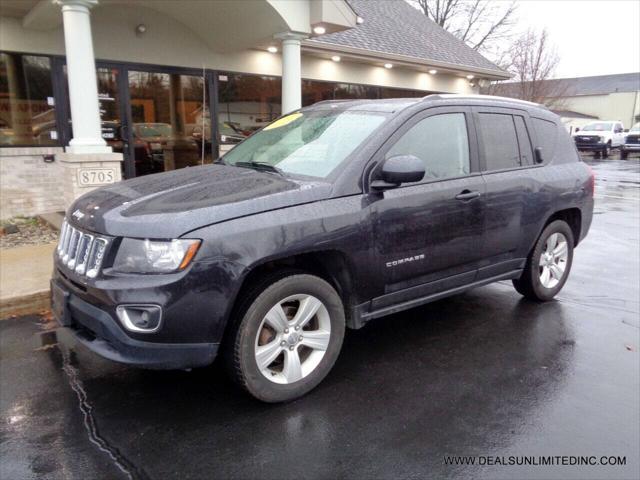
{"points": [[498, 133], [524, 141], [546, 133], [441, 142]]}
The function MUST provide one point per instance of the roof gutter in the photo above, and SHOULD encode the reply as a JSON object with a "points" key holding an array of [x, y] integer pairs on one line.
{"points": [[310, 45]]}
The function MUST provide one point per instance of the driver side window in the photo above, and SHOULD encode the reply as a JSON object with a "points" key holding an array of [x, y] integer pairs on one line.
{"points": [[441, 142]]}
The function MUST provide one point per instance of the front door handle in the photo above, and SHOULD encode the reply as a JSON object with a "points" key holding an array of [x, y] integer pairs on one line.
{"points": [[467, 195]]}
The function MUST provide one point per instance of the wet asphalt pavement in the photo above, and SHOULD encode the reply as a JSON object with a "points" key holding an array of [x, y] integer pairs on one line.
{"points": [[485, 373]]}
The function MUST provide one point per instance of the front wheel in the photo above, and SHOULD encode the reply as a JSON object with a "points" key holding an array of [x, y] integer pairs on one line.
{"points": [[607, 150], [623, 154], [288, 338], [548, 264]]}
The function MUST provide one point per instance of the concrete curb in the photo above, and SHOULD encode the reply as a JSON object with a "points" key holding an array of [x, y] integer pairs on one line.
{"points": [[25, 304]]}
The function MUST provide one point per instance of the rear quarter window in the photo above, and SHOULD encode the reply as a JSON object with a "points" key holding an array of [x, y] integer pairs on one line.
{"points": [[547, 136]]}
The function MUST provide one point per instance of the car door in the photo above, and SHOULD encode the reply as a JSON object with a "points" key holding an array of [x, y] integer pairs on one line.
{"points": [[506, 155], [428, 234]]}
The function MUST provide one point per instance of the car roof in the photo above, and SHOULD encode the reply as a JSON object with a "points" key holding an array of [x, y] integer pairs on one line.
{"points": [[391, 105]]}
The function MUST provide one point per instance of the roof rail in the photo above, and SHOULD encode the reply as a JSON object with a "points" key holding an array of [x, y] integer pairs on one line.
{"points": [[437, 96]]}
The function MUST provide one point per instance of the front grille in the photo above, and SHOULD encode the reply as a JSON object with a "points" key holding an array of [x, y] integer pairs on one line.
{"points": [[581, 139], [81, 252], [633, 139]]}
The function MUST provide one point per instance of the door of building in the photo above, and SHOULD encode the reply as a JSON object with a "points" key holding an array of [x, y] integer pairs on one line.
{"points": [[157, 117]]}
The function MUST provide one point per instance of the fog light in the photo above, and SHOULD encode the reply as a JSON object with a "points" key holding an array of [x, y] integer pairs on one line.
{"points": [[140, 318]]}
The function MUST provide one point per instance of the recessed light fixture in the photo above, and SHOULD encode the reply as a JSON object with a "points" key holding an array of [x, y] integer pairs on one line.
{"points": [[272, 49], [470, 77], [388, 65], [471, 84], [141, 29], [335, 58], [319, 30], [433, 71], [359, 20]]}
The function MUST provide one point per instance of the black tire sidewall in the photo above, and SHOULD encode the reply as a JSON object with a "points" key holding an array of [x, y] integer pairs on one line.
{"points": [[541, 291], [254, 381]]}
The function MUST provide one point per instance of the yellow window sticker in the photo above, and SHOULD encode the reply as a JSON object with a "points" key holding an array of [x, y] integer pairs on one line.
{"points": [[283, 121]]}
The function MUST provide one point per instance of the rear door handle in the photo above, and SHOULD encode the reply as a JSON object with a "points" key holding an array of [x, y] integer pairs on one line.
{"points": [[467, 195]]}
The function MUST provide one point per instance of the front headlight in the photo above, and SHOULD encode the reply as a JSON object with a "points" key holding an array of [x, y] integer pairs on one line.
{"points": [[154, 256]]}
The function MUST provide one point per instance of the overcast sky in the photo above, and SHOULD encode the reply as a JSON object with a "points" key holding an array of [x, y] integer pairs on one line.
{"points": [[593, 37]]}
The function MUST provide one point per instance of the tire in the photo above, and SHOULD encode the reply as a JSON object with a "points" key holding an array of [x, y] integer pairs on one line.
{"points": [[623, 154], [607, 151], [596, 155], [534, 283], [293, 361]]}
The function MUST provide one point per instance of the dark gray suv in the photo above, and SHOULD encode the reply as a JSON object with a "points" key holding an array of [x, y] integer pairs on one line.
{"points": [[327, 218]]}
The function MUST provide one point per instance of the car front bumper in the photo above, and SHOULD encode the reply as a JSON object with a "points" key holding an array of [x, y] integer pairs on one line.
{"points": [[89, 315], [591, 147], [631, 147]]}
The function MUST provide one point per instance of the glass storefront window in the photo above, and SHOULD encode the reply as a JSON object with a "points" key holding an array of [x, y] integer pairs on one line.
{"points": [[27, 112], [246, 103], [171, 121], [401, 93]]}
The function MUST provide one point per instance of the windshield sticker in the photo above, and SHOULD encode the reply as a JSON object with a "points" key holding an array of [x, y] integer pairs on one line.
{"points": [[283, 121]]}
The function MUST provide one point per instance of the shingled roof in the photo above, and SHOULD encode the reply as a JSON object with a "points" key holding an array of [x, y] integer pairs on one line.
{"points": [[599, 85], [394, 27]]}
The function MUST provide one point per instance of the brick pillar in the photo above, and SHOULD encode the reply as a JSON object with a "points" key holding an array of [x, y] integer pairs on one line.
{"points": [[83, 172]]}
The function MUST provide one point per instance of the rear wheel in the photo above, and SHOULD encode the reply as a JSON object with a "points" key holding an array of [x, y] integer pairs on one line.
{"points": [[548, 264], [623, 154], [288, 338]]}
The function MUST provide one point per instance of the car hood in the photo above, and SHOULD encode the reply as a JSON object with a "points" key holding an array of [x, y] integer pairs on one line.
{"points": [[170, 204]]}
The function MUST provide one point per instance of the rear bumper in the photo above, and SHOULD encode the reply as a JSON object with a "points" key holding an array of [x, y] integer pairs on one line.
{"points": [[97, 330]]}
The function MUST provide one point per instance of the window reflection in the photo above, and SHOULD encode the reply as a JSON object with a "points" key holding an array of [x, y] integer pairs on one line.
{"points": [[246, 103], [171, 123], [27, 114]]}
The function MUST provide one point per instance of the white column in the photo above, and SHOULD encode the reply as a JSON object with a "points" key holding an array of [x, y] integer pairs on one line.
{"points": [[81, 73], [291, 71]]}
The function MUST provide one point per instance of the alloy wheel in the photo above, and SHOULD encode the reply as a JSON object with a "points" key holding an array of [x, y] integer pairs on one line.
{"points": [[553, 260], [292, 338]]}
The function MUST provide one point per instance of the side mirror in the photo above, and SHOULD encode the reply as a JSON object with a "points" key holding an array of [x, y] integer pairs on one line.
{"points": [[399, 169], [538, 155], [626, 130], [577, 129]]}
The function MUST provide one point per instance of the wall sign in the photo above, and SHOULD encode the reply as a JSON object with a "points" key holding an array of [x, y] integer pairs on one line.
{"points": [[96, 176]]}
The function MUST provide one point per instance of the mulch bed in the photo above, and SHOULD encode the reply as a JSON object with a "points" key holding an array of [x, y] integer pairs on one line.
{"points": [[31, 231]]}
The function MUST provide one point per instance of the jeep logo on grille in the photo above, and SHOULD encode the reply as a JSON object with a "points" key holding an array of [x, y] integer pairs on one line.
{"points": [[78, 214]]}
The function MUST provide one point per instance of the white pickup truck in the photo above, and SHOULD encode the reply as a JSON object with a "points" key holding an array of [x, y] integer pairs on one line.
{"points": [[599, 137]]}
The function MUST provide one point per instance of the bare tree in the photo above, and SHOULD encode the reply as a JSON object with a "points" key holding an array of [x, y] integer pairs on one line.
{"points": [[479, 23], [532, 60]]}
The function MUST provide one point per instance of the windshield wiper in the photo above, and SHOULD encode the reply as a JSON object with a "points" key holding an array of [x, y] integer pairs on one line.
{"points": [[266, 167]]}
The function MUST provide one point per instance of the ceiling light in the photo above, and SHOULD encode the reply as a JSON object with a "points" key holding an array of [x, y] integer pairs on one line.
{"points": [[388, 65], [471, 84], [335, 58], [141, 29], [470, 77], [433, 71], [272, 49], [319, 30], [359, 20]]}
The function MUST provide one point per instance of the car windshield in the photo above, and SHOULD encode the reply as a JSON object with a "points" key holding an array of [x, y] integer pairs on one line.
{"points": [[145, 130], [635, 128], [598, 127], [309, 143]]}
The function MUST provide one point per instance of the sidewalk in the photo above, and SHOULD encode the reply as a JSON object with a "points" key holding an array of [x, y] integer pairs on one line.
{"points": [[24, 279]]}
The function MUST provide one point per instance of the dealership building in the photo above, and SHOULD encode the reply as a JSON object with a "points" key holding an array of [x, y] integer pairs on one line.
{"points": [[92, 91]]}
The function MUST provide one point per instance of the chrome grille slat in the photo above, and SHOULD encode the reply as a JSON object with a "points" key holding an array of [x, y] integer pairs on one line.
{"points": [[81, 252]]}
